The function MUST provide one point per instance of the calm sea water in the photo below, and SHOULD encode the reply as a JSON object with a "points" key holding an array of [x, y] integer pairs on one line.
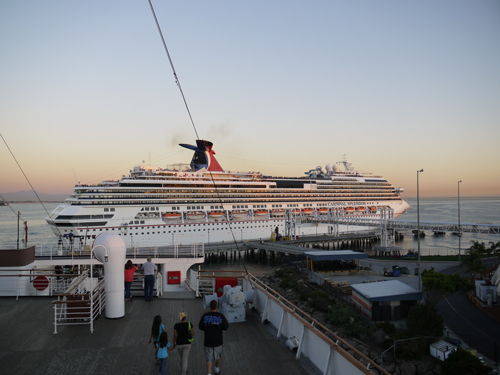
{"points": [[472, 210]]}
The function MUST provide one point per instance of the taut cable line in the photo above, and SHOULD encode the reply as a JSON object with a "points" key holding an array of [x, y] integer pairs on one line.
{"points": [[173, 69], [26, 177], [189, 113]]}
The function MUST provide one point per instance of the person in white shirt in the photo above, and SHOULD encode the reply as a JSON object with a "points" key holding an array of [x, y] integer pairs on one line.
{"points": [[149, 279]]}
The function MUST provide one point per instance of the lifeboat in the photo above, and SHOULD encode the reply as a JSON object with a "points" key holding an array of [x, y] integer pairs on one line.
{"points": [[373, 209], [307, 211], [278, 212], [171, 215], [322, 211], [349, 210], [239, 213], [192, 215], [216, 214], [260, 212], [296, 211], [360, 209]]}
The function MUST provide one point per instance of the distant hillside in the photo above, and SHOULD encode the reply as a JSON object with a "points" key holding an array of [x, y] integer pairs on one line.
{"points": [[29, 196]]}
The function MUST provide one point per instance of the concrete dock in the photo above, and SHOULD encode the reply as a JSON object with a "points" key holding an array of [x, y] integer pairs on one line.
{"points": [[120, 346]]}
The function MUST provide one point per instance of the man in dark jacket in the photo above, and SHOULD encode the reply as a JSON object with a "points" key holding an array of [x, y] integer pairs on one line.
{"points": [[213, 323]]}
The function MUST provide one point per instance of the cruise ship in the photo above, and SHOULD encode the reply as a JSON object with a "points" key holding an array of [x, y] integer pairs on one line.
{"points": [[201, 202]]}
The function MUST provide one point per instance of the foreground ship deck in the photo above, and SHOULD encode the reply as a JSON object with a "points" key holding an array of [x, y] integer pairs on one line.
{"points": [[120, 346]]}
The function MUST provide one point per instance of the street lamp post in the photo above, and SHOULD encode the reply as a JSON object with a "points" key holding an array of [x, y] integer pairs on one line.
{"points": [[418, 233], [459, 228]]}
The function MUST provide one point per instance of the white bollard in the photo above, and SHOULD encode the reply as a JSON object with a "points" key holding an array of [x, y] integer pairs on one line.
{"points": [[110, 250]]}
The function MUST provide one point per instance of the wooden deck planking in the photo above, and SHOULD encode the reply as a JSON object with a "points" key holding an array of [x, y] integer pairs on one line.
{"points": [[120, 346]]}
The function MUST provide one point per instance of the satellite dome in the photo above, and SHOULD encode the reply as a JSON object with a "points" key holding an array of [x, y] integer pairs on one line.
{"points": [[328, 167], [336, 168]]}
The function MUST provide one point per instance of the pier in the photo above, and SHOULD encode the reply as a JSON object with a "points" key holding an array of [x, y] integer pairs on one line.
{"points": [[434, 226]]}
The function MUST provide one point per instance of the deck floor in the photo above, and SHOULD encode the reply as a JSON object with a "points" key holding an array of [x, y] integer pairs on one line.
{"points": [[120, 346]]}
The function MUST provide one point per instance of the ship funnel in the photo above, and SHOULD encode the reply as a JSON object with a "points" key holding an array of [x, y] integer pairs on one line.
{"points": [[203, 156]]}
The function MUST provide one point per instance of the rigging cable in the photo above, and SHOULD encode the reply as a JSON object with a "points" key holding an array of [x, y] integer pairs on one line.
{"points": [[173, 69], [26, 177], [189, 113]]}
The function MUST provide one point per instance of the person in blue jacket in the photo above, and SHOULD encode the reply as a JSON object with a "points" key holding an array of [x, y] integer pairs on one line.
{"points": [[213, 323]]}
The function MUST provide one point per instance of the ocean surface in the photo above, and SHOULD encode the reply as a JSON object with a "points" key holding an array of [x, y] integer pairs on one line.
{"points": [[472, 210]]}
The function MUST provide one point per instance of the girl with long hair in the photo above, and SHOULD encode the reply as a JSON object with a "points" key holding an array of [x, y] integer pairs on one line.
{"points": [[156, 330]]}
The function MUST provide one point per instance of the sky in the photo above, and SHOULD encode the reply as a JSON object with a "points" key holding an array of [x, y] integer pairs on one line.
{"points": [[280, 87]]}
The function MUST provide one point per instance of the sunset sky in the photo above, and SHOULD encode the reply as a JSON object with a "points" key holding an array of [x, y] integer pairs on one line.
{"points": [[280, 87]]}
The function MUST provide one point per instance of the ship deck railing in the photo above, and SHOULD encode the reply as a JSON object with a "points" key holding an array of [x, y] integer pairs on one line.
{"points": [[78, 305], [154, 250], [323, 348]]}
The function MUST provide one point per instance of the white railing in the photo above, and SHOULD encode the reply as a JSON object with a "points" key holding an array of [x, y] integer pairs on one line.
{"points": [[78, 306], [155, 250], [192, 280], [159, 284], [315, 343]]}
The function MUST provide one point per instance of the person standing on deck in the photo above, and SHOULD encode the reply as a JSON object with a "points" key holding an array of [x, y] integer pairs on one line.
{"points": [[129, 278], [149, 279], [213, 323]]}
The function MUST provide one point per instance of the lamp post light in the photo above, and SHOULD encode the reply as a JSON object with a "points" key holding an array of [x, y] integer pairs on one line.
{"points": [[418, 234], [459, 228]]}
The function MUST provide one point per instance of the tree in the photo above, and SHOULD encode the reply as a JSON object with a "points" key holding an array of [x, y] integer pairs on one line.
{"points": [[438, 286], [424, 320], [461, 362], [495, 248], [474, 261]]}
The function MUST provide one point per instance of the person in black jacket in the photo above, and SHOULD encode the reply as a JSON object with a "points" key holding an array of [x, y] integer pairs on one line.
{"points": [[213, 323]]}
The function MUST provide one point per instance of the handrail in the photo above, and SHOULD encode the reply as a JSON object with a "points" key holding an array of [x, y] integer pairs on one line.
{"points": [[71, 312], [315, 327]]}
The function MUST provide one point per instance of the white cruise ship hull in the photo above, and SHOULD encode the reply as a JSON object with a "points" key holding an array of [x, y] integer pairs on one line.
{"points": [[205, 204]]}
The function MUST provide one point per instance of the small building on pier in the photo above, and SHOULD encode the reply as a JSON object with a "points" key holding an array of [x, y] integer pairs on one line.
{"points": [[385, 300]]}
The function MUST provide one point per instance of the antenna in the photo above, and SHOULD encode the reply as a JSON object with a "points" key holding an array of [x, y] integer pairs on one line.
{"points": [[76, 178]]}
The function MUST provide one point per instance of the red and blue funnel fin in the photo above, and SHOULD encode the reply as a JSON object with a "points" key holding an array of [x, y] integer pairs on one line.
{"points": [[203, 156]]}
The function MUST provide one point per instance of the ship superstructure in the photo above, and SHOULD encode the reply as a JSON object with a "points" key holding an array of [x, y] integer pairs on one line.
{"points": [[160, 206]]}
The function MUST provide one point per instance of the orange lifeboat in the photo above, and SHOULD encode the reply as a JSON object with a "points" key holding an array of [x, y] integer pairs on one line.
{"points": [[260, 212], [322, 211], [349, 210], [296, 211], [373, 209], [216, 214], [307, 211], [192, 215], [171, 215], [278, 212], [360, 209], [239, 213]]}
